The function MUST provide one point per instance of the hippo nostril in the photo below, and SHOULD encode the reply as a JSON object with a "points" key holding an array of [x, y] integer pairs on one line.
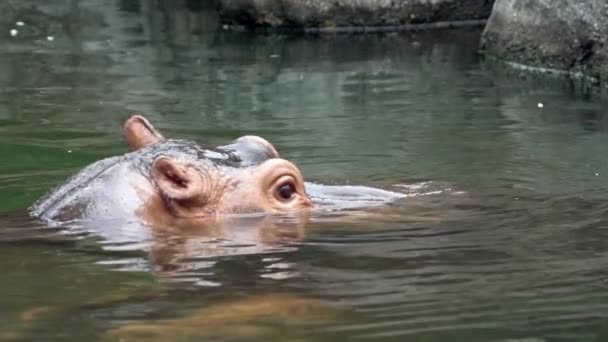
{"points": [[308, 202]]}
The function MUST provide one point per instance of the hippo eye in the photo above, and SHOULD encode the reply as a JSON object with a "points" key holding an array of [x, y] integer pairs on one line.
{"points": [[286, 191]]}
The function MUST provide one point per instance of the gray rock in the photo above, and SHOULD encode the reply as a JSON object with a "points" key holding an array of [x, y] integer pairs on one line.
{"points": [[558, 34], [350, 13]]}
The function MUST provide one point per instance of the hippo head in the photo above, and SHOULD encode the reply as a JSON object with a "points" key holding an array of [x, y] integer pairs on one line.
{"points": [[187, 180]]}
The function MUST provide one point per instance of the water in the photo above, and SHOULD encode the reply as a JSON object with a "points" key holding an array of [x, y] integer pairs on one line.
{"points": [[504, 242]]}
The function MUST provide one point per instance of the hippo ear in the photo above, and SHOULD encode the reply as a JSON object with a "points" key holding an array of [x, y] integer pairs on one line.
{"points": [[140, 133], [177, 180], [262, 144], [251, 149]]}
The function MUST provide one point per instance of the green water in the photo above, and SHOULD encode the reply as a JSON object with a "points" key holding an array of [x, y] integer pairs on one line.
{"points": [[510, 247]]}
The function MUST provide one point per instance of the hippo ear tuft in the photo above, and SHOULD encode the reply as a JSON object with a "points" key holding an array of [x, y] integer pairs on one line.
{"points": [[140, 133], [177, 180]]}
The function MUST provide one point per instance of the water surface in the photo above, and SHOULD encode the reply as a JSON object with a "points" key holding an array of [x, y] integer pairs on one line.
{"points": [[503, 242]]}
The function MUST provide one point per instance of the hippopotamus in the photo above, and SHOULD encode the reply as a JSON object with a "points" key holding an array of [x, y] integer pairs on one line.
{"points": [[173, 182]]}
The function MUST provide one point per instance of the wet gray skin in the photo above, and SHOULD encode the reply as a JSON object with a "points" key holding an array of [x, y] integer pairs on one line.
{"points": [[104, 190]]}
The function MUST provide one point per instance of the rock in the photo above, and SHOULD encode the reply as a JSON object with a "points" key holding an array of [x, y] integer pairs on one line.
{"points": [[558, 34], [330, 14]]}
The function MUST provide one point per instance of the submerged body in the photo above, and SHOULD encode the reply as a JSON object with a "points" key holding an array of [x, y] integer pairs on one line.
{"points": [[166, 180], [123, 186], [177, 182]]}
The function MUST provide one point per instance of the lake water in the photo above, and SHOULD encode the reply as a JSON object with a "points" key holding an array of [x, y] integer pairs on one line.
{"points": [[504, 236]]}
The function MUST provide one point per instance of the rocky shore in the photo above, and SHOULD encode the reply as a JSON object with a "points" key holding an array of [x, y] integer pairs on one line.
{"points": [[344, 15], [564, 35]]}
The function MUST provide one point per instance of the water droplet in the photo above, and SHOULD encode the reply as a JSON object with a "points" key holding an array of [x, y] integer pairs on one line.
{"points": [[50, 38], [280, 275], [280, 265], [540, 105], [274, 56], [20, 23], [69, 151], [271, 259], [14, 32], [207, 283]]}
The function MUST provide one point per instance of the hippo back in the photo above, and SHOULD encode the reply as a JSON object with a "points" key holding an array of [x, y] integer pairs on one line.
{"points": [[88, 191], [108, 189]]}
